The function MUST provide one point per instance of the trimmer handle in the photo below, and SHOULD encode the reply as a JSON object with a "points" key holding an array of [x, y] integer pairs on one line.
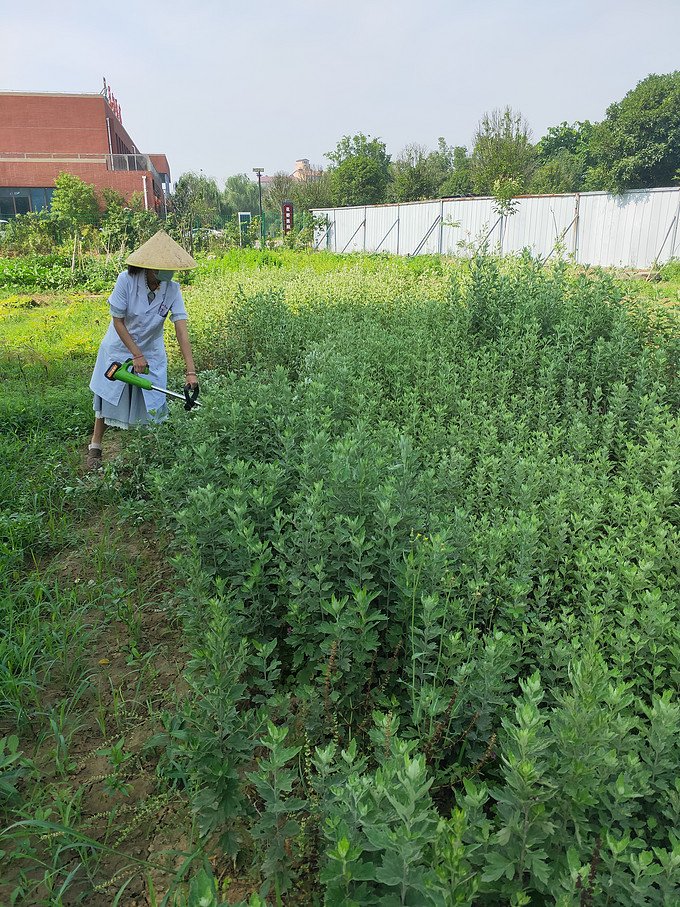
{"points": [[190, 396], [124, 372], [129, 366]]}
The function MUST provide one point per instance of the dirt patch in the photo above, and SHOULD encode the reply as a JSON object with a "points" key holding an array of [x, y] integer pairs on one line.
{"points": [[94, 773]]}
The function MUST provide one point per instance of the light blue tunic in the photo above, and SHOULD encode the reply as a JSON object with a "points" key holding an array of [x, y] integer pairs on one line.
{"points": [[144, 320]]}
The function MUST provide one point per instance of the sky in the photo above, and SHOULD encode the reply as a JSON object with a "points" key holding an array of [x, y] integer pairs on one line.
{"points": [[223, 87]]}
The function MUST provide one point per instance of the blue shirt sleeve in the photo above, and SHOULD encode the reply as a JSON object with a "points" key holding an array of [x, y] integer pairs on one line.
{"points": [[118, 300], [178, 311]]}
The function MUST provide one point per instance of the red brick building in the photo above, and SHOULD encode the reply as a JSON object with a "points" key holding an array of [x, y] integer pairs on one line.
{"points": [[43, 135]]}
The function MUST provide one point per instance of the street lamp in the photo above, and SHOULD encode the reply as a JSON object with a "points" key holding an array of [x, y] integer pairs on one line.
{"points": [[260, 171]]}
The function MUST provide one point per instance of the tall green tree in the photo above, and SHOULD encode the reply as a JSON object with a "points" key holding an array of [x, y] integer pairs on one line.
{"points": [[75, 202], [502, 150], [240, 194], [125, 223], [459, 181], [441, 162], [279, 190], [414, 176], [360, 171], [196, 203], [314, 192], [637, 145], [563, 157]]}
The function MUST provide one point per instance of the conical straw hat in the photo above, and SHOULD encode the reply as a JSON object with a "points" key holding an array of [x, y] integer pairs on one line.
{"points": [[161, 252]]}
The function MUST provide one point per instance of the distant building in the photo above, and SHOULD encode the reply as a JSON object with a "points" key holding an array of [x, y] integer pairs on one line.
{"points": [[45, 134], [302, 173]]}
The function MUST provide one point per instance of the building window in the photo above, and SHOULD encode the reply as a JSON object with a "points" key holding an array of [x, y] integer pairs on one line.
{"points": [[15, 201], [6, 203], [22, 201], [39, 201]]}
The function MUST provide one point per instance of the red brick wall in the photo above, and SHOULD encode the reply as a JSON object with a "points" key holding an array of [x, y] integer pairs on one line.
{"points": [[43, 175], [69, 125], [160, 162], [56, 123]]}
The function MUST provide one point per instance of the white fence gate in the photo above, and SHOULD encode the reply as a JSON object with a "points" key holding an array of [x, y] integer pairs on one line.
{"points": [[635, 230]]}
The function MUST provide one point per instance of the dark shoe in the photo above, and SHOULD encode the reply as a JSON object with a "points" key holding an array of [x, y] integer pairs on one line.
{"points": [[94, 458]]}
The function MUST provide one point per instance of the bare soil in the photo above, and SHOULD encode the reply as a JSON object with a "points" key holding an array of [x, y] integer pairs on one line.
{"points": [[134, 673]]}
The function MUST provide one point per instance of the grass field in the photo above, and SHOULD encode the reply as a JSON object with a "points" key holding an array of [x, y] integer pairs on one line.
{"points": [[393, 619]]}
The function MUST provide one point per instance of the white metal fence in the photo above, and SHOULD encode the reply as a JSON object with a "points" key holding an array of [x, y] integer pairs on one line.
{"points": [[636, 230]]}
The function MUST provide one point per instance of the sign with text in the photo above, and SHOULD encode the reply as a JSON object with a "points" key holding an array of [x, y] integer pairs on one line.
{"points": [[287, 216]]}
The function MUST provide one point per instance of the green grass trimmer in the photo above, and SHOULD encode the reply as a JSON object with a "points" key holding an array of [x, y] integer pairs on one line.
{"points": [[122, 371]]}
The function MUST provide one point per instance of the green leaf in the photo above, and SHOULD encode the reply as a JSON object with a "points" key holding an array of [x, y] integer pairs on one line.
{"points": [[496, 866]]}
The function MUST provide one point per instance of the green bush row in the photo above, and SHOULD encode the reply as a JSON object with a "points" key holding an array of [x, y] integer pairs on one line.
{"points": [[44, 273]]}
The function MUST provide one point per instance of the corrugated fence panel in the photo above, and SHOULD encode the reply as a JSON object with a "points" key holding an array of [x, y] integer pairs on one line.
{"points": [[651, 218], [672, 247], [539, 224], [416, 220], [466, 223], [323, 238], [382, 229], [348, 229], [633, 230], [627, 230]]}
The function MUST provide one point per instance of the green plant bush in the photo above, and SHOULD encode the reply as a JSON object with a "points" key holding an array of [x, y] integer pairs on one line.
{"points": [[56, 271], [452, 521]]}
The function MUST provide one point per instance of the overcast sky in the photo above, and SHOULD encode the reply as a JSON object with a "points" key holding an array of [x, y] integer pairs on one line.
{"points": [[221, 86]]}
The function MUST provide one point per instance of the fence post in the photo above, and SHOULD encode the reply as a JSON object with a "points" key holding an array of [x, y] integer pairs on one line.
{"points": [[398, 226], [441, 226], [577, 225], [675, 231]]}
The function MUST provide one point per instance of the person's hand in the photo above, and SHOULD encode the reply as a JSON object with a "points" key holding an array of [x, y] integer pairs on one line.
{"points": [[191, 379], [140, 365]]}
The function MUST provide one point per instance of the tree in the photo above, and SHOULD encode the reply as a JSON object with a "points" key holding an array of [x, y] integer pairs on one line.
{"points": [[240, 194], [459, 182], [314, 192], [361, 171], [502, 150], [279, 190], [75, 201], [196, 203], [563, 157], [414, 176], [637, 145], [125, 224], [441, 163]]}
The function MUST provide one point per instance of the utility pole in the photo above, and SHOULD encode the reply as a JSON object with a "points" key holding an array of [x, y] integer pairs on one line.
{"points": [[260, 171]]}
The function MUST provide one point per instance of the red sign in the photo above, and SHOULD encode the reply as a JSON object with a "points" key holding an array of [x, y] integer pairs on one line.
{"points": [[287, 215], [113, 103]]}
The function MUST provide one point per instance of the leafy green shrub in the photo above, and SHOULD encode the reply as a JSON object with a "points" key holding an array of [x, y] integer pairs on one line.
{"points": [[670, 271], [411, 503], [41, 273]]}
